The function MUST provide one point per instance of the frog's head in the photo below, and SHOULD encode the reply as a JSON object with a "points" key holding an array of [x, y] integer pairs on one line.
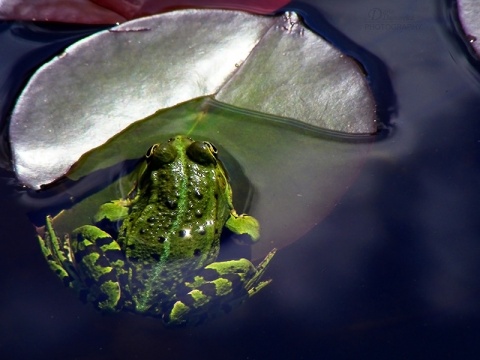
{"points": [[200, 152]]}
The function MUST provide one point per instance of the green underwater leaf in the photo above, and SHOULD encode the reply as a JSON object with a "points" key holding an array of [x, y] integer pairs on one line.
{"points": [[295, 173]]}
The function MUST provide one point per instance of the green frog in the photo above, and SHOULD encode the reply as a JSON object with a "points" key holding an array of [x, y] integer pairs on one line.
{"points": [[154, 252]]}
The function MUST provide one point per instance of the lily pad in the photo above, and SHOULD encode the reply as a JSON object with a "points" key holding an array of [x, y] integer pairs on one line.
{"points": [[469, 14], [295, 174], [118, 11], [104, 83]]}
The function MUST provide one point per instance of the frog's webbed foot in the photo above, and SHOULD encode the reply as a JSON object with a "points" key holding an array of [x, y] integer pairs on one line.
{"points": [[110, 216], [219, 288], [244, 224]]}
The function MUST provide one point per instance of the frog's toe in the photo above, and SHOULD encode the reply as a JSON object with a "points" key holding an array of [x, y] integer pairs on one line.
{"points": [[58, 254], [254, 285]]}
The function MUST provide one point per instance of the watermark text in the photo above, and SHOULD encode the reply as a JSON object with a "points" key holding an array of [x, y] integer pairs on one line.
{"points": [[383, 19]]}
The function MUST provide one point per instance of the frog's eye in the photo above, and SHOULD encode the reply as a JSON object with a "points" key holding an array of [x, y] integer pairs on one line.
{"points": [[202, 152], [151, 150], [212, 147], [160, 154]]}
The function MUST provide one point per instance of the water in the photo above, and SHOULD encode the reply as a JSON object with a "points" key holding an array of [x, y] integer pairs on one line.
{"points": [[391, 273]]}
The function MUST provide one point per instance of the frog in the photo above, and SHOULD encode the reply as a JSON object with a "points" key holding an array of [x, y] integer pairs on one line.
{"points": [[154, 252]]}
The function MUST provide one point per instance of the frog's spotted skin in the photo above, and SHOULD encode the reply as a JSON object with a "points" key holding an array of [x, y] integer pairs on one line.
{"points": [[161, 261]]}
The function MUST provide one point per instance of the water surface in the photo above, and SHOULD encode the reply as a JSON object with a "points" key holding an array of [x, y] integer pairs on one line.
{"points": [[391, 273]]}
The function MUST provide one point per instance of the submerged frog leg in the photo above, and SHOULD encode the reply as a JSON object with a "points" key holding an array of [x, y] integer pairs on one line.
{"points": [[101, 266], [219, 288]]}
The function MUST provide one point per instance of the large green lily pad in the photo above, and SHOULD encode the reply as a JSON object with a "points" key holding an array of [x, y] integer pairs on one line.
{"points": [[104, 83]]}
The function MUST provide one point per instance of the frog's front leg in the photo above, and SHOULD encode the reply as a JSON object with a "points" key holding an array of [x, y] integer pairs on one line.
{"points": [[244, 224], [219, 288], [89, 261], [110, 215]]}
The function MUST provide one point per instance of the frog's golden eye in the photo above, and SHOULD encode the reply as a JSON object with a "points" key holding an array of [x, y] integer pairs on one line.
{"points": [[212, 147], [160, 154], [202, 152], [151, 150]]}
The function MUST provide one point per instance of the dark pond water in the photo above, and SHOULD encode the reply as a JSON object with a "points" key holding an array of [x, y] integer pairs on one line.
{"points": [[392, 273]]}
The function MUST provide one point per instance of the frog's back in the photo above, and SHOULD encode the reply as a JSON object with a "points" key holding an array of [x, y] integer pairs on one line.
{"points": [[176, 219]]}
